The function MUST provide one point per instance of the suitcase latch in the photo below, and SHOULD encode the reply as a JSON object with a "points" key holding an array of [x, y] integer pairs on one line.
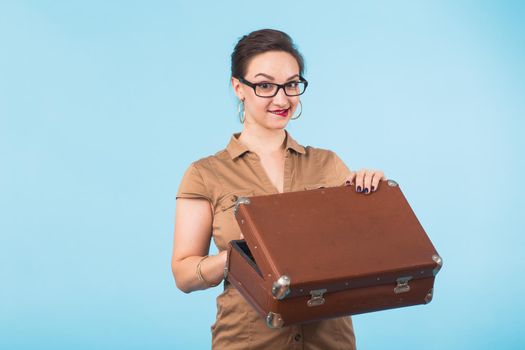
{"points": [[317, 297], [402, 285]]}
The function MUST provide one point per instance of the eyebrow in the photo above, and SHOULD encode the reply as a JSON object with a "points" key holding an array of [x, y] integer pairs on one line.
{"points": [[272, 78]]}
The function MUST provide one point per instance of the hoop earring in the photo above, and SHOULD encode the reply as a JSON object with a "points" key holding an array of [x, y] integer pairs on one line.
{"points": [[301, 112], [240, 111]]}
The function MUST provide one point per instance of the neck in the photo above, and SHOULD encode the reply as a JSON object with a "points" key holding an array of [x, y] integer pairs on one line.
{"points": [[263, 141]]}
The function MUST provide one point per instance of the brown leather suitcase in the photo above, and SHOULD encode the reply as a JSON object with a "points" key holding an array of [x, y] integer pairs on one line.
{"points": [[330, 252]]}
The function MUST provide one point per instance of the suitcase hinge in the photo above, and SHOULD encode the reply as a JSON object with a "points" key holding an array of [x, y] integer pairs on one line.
{"points": [[402, 285], [317, 297]]}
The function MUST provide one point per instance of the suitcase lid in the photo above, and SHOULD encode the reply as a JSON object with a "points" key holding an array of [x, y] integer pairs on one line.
{"points": [[335, 237]]}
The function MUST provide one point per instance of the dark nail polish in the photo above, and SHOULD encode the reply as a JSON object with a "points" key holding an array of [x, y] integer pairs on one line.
{"points": [[348, 183], [373, 188], [358, 188], [366, 190]]}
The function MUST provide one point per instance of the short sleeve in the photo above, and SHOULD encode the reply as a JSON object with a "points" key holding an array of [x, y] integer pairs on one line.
{"points": [[341, 170], [193, 185]]}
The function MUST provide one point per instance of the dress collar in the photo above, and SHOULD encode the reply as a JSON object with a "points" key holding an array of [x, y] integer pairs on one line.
{"points": [[235, 148]]}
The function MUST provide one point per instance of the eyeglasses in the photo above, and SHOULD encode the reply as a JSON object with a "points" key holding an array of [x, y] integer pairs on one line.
{"points": [[264, 89]]}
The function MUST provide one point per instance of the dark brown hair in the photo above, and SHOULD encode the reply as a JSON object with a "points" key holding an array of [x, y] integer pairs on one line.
{"points": [[261, 41]]}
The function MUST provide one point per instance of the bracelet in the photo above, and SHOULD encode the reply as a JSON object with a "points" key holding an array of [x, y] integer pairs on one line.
{"points": [[199, 273]]}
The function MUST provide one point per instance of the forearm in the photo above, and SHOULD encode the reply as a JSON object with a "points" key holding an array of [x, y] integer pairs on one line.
{"points": [[212, 271]]}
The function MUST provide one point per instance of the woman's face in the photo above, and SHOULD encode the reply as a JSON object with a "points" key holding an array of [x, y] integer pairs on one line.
{"points": [[277, 67]]}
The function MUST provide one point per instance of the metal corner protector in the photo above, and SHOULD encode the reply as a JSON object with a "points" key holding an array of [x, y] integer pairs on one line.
{"points": [[274, 320], [429, 296], [281, 287], [240, 200], [437, 259], [392, 183]]}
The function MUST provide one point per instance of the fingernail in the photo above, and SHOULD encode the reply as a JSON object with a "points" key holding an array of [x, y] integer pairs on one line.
{"points": [[358, 188], [348, 183], [373, 188], [366, 190]]}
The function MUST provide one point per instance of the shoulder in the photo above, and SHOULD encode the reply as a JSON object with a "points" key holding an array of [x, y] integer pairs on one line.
{"points": [[209, 168], [207, 163], [200, 179]]}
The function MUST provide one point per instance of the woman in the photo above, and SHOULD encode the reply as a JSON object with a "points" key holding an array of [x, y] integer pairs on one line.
{"points": [[267, 73]]}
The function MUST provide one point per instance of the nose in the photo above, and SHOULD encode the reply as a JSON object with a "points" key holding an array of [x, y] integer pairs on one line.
{"points": [[280, 99]]}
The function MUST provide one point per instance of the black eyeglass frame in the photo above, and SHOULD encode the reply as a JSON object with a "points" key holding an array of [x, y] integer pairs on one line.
{"points": [[279, 86]]}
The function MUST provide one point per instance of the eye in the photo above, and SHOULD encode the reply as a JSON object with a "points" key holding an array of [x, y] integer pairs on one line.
{"points": [[292, 84], [264, 86]]}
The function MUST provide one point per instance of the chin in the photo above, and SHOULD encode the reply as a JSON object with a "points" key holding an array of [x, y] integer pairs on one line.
{"points": [[278, 123], [272, 123]]}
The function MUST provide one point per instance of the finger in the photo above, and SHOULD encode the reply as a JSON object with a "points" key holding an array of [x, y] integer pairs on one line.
{"points": [[378, 176], [359, 180], [367, 182], [350, 180]]}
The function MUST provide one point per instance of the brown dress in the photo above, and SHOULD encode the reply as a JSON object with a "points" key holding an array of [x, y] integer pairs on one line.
{"points": [[234, 172]]}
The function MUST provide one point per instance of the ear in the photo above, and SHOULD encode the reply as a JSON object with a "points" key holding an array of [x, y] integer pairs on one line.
{"points": [[237, 88]]}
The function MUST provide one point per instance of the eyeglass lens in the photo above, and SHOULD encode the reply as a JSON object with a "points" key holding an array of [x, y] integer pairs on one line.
{"points": [[291, 89]]}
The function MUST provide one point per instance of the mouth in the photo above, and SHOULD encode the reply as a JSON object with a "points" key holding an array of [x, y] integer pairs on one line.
{"points": [[280, 112]]}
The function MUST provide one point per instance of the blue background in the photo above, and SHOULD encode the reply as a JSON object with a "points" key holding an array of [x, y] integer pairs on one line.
{"points": [[103, 105]]}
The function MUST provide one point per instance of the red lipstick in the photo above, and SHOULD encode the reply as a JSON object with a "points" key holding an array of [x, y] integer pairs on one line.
{"points": [[280, 112]]}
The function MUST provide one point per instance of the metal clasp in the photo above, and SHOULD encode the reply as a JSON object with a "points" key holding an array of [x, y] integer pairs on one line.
{"points": [[317, 297], [402, 285]]}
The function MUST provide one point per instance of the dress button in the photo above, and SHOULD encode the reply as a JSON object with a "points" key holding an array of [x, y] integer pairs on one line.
{"points": [[297, 337]]}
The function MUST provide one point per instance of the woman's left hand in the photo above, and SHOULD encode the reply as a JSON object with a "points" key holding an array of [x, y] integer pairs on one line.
{"points": [[366, 180]]}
